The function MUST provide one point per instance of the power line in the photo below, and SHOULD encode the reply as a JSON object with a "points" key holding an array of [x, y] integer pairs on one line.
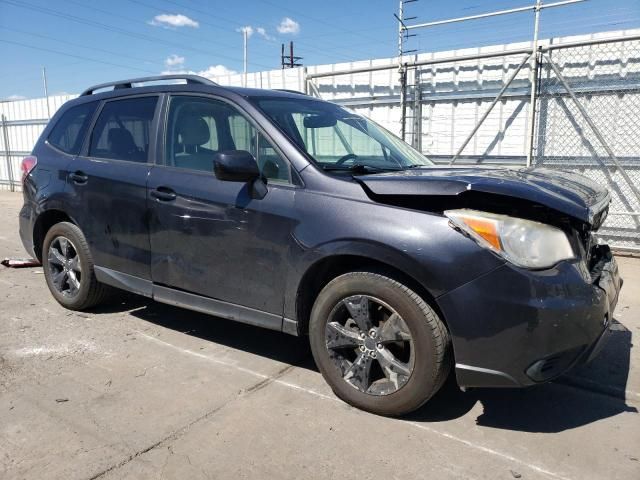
{"points": [[322, 52], [50, 50], [209, 24], [97, 49], [108, 27]]}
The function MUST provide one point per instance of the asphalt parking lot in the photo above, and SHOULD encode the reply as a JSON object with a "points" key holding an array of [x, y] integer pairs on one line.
{"points": [[143, 390]]}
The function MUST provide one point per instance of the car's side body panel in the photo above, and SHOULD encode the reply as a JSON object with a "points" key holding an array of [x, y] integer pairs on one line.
{"points": [[215, 240]]}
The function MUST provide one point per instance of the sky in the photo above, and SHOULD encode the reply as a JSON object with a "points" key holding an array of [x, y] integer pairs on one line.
{"points": [[81, 43]]}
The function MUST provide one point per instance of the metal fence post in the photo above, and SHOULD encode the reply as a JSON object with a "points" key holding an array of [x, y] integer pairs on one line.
{"points": [[7, 153], [403, 101], [417, 113], [305, 80], [535, 62]]}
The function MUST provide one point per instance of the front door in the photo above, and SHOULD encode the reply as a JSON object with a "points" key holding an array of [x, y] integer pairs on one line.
{"points": [[210, 237], [107, 185]]}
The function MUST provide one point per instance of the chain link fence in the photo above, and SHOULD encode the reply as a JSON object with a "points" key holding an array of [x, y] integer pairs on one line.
{"points": [[587, 117], [588, 120]]}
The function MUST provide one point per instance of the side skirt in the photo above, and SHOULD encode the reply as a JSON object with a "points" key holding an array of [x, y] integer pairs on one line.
{"points": [[124, 281], [192, 301]]}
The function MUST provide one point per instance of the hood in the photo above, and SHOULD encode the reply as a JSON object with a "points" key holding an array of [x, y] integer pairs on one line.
{"points": [[565, 192]]}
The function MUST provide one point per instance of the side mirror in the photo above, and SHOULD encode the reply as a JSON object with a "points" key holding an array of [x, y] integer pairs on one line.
{"points": [[235, 166]]}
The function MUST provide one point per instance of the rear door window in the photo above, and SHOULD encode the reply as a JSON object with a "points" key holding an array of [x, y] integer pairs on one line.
{"points": [[123, 129], [68, 134]]}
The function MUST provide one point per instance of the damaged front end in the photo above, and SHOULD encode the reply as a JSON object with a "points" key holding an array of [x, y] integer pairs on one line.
{"points": [[565, 201], [549, 306]]}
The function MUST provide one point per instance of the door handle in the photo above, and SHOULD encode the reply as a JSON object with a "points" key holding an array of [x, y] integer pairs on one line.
{"points": [[164, 194], [79, 178]]}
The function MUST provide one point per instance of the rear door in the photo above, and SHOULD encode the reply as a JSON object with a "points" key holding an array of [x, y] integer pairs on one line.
{"points": [[208, 236], [108, 184]]}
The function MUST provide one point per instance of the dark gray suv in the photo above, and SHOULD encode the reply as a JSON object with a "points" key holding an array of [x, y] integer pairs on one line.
{"points": [[291, 213]]}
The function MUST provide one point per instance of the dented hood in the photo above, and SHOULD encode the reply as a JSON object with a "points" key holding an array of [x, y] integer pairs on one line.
{"points": [[565, 192]]}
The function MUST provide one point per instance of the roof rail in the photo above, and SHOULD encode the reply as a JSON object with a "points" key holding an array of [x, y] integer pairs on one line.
{"points": [[129, 83]]}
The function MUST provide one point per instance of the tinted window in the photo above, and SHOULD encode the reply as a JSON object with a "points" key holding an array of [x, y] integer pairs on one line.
{"points": [[199, 127], [123, 128], [68, 134]]}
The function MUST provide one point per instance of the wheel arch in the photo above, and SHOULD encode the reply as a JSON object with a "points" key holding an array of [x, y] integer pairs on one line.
{"points": [[43, 223], [329, 267]]}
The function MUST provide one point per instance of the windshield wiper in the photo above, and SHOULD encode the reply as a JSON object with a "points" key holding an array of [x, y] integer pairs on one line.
{"points": [[359, 168], [417, 165]]}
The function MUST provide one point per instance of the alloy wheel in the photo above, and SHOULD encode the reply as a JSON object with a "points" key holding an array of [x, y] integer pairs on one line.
{"points": [[370, 344], [64, 266]]}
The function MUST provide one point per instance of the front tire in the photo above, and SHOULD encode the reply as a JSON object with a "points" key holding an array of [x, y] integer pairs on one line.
{"points": [[68, 268], [378, 344]]}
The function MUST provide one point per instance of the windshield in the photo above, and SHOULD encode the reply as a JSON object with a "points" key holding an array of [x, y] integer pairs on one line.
{"points": [[339, 139]]}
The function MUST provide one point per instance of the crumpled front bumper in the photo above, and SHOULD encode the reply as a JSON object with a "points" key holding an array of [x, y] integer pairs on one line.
{"points": [[514, 327]]}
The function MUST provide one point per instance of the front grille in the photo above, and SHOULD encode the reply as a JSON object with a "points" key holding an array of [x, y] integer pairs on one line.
{"points": [[599, 256]]}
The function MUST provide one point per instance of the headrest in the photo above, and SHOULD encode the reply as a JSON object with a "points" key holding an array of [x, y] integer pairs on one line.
{"points": [[193, 130], [121, 141]]}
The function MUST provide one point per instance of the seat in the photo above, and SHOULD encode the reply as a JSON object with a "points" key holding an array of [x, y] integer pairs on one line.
{"points": [[193, 133], [122, 145]]}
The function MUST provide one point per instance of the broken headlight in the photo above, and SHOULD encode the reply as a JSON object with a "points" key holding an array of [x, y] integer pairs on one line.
{"points": [[524, 243]]}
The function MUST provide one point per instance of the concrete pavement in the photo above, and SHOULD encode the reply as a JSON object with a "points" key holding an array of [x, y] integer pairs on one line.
{"points": [[143, 390]]}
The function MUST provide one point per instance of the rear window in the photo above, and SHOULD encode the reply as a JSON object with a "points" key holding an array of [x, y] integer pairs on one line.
{"points": [[67, 135], [123, 128]]}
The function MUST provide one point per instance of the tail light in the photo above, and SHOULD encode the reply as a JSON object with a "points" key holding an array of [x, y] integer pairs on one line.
{"points": [[28, 164]]}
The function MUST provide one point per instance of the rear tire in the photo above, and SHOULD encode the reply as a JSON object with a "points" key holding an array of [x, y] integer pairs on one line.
{"points": [[69, 269], [403, 348]]}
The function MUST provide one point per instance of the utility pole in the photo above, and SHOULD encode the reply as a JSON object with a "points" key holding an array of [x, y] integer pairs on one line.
{"points": [[46, 92], [245, 37], [289, 61], [400, 18]]}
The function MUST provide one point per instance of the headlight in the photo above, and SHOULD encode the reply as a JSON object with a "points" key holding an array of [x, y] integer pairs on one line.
{"points": [[522, 242]]}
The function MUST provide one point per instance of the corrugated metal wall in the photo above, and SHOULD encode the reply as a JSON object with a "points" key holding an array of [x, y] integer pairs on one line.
{"points": [[24, 120]]}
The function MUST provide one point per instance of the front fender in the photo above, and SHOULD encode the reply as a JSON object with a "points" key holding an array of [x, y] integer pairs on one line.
{"points": [[421, 245]]}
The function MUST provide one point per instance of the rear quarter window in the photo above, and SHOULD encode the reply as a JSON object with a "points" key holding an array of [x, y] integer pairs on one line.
{"points": [[68, 133]]}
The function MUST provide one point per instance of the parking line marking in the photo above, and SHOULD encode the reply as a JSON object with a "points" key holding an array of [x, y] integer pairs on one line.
{"points": [[293, 386], [489, 450]]}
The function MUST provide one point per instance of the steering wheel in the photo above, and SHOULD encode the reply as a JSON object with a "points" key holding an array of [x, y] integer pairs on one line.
{"points": [[345, 158]]}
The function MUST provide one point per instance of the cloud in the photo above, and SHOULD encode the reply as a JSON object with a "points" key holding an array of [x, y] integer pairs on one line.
{"points": [[216, 71], [168, 20], [174, 60], [258, 30], [262, 32], [15, 97], [210, 72], [246, 28], [288, 25]]}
